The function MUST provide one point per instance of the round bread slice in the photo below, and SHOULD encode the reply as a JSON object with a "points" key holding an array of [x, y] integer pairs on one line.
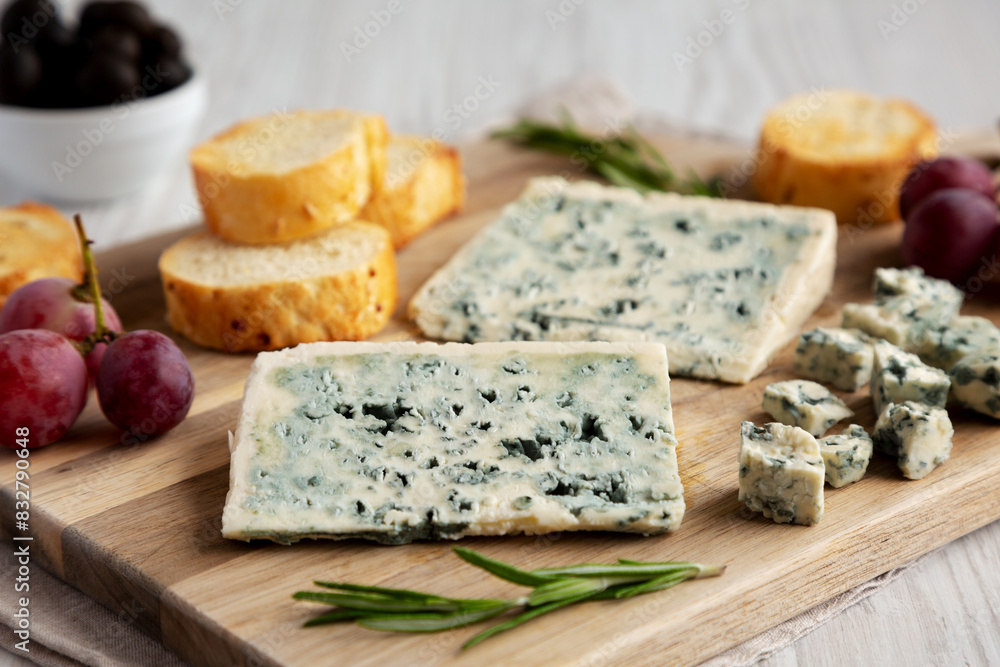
{"points": [[289, 175], [423, 185], [36, 241], [843, 151], [338, 285]]}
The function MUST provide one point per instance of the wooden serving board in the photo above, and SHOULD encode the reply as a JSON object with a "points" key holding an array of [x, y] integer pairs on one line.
{"points": [[138, 527]]}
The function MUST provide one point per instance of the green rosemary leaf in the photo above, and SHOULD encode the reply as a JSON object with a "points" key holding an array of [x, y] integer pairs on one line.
{"points": [[657, 584], [618, 177], [430, 622], [621, 569], [535, 612], [568, 588], [336, 617], [627, 159], [379, 603], [502, 570], [388, 592]]}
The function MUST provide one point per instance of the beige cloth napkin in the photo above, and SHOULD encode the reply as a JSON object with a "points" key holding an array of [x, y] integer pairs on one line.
{"points": [[68, 628]]}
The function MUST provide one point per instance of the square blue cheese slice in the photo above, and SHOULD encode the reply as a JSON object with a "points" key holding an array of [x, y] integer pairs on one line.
{"points": [[723, 284], [401, 441]]}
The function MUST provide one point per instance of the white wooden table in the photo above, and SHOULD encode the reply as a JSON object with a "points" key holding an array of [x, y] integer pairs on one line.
{"points": [[711, 64]]}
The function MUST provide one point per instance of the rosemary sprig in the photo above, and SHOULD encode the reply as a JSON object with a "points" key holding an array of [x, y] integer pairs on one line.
{"points": [[402, 610], [627, 159]]}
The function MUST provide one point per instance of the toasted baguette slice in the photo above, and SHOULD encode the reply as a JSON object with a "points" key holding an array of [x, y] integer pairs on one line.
{"points": [[288, 176], [843, 151], [423, 185], [339, 285], [36, 241]]}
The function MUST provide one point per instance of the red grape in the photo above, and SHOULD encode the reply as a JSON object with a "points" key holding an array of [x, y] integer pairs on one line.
{"points": [[144, 383], [50, 304], [43, 386], [946, 172], [950, 232]]}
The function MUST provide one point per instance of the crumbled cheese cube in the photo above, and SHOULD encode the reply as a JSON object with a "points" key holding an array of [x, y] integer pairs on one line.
{"points": [[899, 376], [916, 435], [846, 455], [841, 357], [805, 404], [781, 473], [975, 382]]}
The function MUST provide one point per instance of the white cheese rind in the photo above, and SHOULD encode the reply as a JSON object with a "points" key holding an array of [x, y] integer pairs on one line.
{"points": [[841, 357], [916, 435], [781, 473], [975, 382], [899, 376], [808, 405], [723, 284], [402, 441], [846, 456]]}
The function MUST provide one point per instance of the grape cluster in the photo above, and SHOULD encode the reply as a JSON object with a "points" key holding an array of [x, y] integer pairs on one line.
{"points": [[950, 209], [57, 338], [115, 53]]}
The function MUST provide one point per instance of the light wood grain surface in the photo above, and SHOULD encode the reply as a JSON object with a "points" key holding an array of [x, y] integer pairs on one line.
{"points": [[261, 56]]}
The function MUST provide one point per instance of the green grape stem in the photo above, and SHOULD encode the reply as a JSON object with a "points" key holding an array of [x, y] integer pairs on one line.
{"points": [[90, 290]]}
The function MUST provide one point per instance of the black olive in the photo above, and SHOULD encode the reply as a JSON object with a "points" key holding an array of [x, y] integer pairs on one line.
{"points": [[24, 18], [162, 41], [116, 40], [106, 79], [168, 73], [20, 73], [128, 14]]}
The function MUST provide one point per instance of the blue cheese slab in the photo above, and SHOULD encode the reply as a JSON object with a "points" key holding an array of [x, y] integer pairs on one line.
{"points": [[808, 405], [841, 357], [975, 381], [846, 455], [723, 284], [781, 473], [916, 435], [401, 441], [899, 376], [943, 347]]}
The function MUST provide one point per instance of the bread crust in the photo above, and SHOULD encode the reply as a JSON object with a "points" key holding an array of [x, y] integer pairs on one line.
{"points": [[36, 241], [861, 188], [351, 305], [249, 205], [419, 192]]}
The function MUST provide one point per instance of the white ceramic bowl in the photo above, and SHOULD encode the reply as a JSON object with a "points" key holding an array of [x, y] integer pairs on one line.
{"points": [[99, 152]]}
